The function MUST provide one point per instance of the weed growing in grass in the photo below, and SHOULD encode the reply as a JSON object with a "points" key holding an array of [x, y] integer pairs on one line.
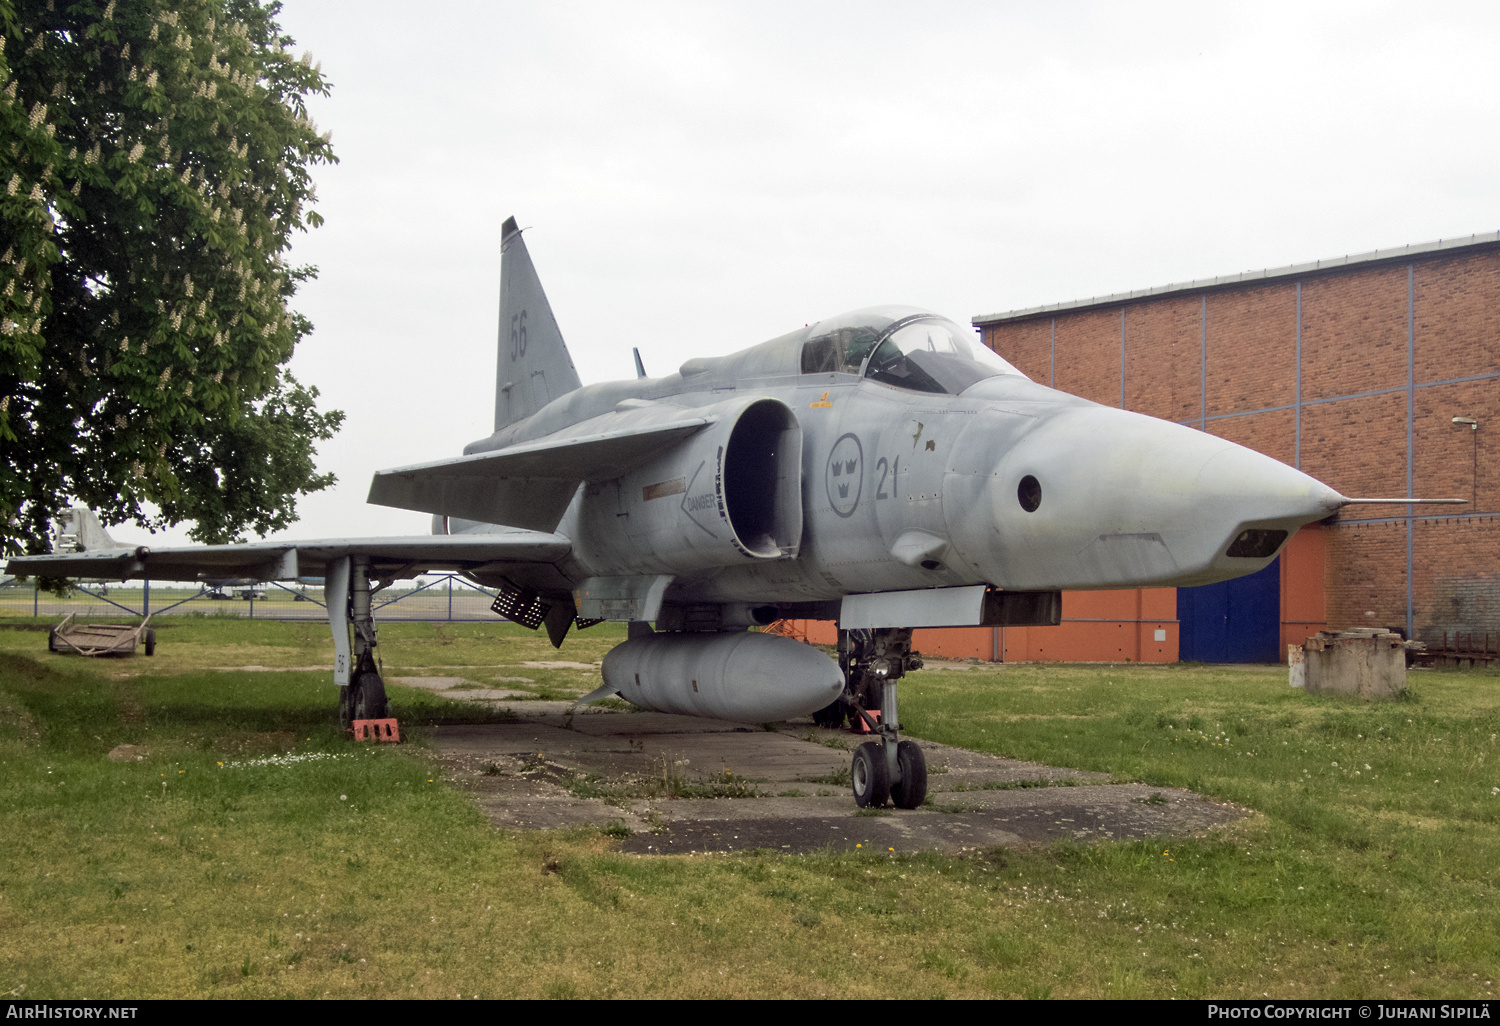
{"points": [[667, 779], [546, 694], [613, 703], [838, 778], [825, 737]]}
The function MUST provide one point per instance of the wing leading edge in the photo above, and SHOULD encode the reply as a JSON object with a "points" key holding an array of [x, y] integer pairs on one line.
{"points": [[279, 560], [530, 485]]}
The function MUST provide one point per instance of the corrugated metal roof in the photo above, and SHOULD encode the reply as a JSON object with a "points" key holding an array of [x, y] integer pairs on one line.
{"points": [[1250, 277]]}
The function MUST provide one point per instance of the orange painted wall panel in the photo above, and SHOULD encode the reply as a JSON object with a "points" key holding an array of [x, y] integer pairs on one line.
{"points": [[819, 632], [1132, 604], [1304, 603], [955, 642], [1098, 626], [1159, 604], [1100, 605], [1092, 641]]}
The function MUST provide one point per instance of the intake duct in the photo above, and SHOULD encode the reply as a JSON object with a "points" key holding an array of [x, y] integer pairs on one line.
{"points": [[729, 493]]}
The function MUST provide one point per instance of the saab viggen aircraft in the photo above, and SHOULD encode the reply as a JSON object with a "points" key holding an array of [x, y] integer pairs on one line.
{"points": [[881, 468]]}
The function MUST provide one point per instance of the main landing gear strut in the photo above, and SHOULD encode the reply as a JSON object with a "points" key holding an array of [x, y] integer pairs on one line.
{"points": [[356, 661], [888, 769]]}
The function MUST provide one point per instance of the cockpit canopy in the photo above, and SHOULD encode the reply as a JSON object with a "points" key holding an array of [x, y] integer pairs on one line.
{"points": [[902, 347]]}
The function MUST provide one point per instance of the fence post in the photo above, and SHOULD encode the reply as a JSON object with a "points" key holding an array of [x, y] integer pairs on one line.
{"points": [[252, 604]]}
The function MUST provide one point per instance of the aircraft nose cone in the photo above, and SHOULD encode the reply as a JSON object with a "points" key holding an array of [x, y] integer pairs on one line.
{"points": [[1098, 497], [1240, 480]]}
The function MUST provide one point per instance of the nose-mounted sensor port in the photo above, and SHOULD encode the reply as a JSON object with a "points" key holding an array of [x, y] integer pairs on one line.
{"points": [[1256, 544], [1029, 493]]}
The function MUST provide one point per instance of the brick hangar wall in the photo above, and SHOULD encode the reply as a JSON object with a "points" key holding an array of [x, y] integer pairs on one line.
{"points": [[1332, 372]]}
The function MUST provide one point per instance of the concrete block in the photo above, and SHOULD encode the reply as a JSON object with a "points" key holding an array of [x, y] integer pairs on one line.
{"points": [[1368, 663]]}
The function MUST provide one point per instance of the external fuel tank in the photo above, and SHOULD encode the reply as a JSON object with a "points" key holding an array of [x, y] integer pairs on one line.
{"points": [[736, 675]]}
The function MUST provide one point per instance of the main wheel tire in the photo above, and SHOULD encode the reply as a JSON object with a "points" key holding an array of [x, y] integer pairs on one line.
{"points": [[148, 637], [911, 792], [868, 776], [369, 702], [831, 715]]}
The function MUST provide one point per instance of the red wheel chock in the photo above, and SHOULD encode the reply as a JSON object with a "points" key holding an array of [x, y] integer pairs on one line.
{"points": [[382, 732], [860, 726]]}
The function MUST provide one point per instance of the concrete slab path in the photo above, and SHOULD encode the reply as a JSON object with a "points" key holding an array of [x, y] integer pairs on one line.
{"points": [[613, 769]]}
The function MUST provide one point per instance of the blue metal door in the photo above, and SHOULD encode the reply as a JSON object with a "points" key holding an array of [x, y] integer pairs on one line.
{"points": [[1236, 621]]}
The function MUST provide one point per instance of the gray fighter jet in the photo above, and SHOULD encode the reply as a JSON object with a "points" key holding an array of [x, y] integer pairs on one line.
{"points": [[881, 468]]}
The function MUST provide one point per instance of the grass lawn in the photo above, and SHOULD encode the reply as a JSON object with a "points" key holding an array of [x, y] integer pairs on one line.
{"points": [[254, 852]]}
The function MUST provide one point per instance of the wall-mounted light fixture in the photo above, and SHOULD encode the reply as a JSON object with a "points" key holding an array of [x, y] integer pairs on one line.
{"points": [[1473, 424]]}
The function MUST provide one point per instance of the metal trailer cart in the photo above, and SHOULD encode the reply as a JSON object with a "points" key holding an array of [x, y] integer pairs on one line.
{"points": [[97, 639]]}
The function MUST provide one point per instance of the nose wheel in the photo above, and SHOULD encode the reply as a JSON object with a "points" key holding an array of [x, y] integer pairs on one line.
{"points": [[911, 790], [887, 770], [869, 777]]}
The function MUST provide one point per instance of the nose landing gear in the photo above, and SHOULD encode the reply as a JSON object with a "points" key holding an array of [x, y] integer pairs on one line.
{"points": [[890, 769]]}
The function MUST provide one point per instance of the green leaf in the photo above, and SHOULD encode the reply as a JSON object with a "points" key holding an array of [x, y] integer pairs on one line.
{"points": [[225, 441]]}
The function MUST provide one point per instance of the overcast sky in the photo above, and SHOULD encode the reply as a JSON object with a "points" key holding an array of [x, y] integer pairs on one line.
{"points": [[698, 177]]}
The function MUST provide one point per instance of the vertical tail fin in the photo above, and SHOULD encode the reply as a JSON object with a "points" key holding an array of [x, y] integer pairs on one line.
{"points": [[534, 366], [79, 530]]}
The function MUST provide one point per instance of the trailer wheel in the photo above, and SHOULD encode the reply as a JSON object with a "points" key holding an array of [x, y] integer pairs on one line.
{"points": [[149, 637], [52, 640]]}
